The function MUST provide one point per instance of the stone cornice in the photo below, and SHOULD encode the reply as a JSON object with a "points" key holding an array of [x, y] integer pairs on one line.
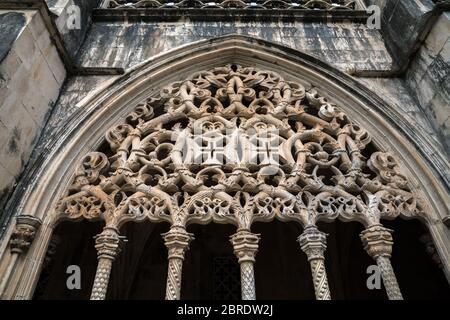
{"points": [[214, 14]]}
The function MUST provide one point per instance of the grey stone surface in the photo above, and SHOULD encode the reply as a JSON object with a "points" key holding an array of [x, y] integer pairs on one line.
{"points": [[115, 44], [75, 89], [403, 24], [396, 92], [65, 12], [11, 23], [32, 75], [429, 78]]}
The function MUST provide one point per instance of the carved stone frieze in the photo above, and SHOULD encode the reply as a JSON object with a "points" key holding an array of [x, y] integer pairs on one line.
{"points": [[242, 4]]}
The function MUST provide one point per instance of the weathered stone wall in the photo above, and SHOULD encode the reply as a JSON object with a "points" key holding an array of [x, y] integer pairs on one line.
{"points": [[416, 33], [31, 75], [403, 24], [342, 44], [429, 77], [396, 93], [72, 31]]}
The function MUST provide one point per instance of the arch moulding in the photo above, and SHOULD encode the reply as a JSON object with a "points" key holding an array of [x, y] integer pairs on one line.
{"points": [[50, 175]]}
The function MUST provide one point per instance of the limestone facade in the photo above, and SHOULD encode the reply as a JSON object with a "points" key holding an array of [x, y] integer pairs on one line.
{"points": [[365, 107]]}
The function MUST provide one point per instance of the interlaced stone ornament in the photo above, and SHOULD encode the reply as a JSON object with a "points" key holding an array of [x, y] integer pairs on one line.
{"points": [[242, 4], [153, 164]]}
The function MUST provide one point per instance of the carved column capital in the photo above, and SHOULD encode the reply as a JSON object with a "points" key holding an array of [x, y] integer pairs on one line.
{"points": [[377, 241], [177, 241], [245, 245], [23, 233], [313, 242], [109, 243]]}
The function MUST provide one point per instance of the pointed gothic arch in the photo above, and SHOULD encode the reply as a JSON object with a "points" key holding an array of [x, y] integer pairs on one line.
{"points": [[213, 84]]}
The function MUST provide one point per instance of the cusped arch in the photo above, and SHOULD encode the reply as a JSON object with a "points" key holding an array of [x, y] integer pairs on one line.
{"points": [[256, 82]]}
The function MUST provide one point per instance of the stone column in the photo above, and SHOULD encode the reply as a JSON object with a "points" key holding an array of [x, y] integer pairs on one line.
{"points": [[378, 242], [314, 243], [108, 244], [21, 239], [177, 242], [245, 246]]}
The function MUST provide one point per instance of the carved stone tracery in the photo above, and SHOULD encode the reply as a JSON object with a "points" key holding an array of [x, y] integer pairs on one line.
{"points": [[148, 167], [203, 149]]}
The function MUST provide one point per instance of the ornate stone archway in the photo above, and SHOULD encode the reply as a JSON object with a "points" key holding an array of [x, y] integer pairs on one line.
{"points": [[222, 118], [160, 161]]}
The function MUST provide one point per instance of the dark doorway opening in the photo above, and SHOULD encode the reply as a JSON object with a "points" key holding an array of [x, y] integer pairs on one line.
{"points": [[347, 263], [140, 271], [419, 277], [281, 270], [210, 270], [72, 244]]}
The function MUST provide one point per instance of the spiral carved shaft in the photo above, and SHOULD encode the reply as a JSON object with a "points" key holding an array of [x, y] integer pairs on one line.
{"points": [[177, 242], [378, 243], [245, 246], [389, 279], [319, 273], [313, 243], [173, 287], [108, 245]]}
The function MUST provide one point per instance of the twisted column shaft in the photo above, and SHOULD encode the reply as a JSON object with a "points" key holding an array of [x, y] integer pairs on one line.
{"points": [[245, 246], [313, 243], [378, 242], [177, 242], [247, 281], [108, 245]]}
